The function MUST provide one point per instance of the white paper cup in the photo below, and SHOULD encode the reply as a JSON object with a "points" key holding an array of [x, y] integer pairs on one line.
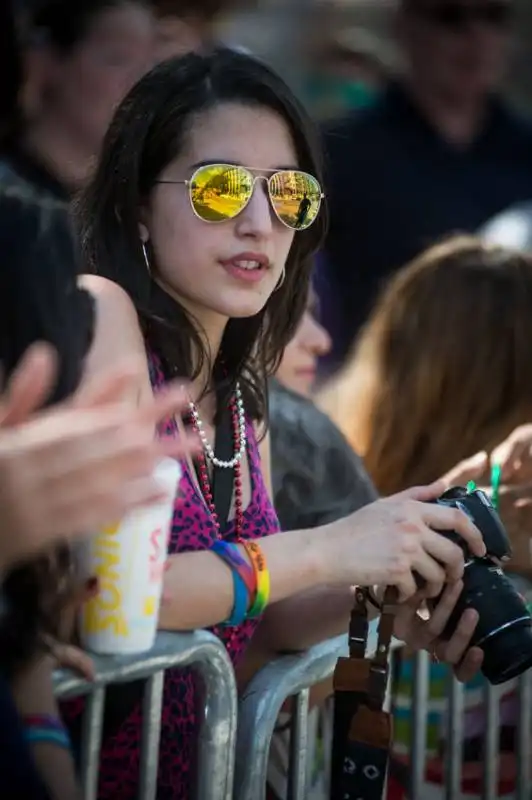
{"points": [[128, 559]]}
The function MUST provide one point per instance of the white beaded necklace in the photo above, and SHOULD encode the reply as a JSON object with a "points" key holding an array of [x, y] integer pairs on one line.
{"points": [[240, 446]]}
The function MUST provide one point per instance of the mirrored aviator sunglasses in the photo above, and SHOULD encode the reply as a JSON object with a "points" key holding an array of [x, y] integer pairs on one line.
{"points": [[219, 192]]}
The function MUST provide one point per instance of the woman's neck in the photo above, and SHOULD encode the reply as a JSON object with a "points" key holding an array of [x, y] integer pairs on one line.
{"points": [[60, 153], [210, 327]]}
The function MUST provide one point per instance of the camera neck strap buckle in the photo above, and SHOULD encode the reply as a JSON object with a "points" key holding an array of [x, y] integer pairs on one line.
{"points": [[362, 728]]}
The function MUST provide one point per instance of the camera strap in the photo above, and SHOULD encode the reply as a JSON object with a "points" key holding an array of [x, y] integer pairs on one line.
{"points": [[362, 734]]}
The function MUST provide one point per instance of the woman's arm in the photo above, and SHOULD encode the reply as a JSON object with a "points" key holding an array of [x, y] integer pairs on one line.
{"points": [[382, 543], [307, 617], [33, 694]]}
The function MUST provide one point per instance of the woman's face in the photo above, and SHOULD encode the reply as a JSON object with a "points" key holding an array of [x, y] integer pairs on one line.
{"points": [[204, 264], [297, 370], [89, 82]]}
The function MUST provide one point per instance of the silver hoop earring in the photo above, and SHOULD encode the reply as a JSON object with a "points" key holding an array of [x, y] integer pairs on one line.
{"points": [[281, 279], [146, 259]]}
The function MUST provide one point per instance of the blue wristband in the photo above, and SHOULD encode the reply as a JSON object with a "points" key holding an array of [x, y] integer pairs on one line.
{"points": [[241, 602], [59, 738]]}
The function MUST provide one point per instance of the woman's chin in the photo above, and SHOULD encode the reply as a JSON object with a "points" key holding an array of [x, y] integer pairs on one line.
{"points": [[242, 307]]}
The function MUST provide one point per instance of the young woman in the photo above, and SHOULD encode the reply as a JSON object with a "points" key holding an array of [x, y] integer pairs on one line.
{"points": [[204, 213]]}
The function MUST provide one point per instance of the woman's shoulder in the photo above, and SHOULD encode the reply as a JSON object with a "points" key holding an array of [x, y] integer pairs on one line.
{"points": [[116, 314], [110, 298], [117, 332]]}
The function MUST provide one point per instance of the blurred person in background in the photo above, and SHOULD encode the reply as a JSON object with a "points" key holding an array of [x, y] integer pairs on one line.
{"points": [[349, 69], [77, 60], [299, 364], [439, 153], [80, 60], [440, 376], [184, 26]]}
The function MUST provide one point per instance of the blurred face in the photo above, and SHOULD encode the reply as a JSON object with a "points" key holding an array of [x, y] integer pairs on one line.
{"points": [[219, 270], [176, 37], [458, 47], [90, 82], [297, 370]]}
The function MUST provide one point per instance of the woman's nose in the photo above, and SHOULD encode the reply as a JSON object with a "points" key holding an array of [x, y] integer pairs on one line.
{"points": [[319, 339], [257, 217]]}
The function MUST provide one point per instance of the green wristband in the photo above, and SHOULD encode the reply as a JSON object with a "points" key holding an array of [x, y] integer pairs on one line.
{"points": [[495, 485]]}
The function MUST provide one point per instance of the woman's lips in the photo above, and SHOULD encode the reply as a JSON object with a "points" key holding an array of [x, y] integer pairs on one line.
{"points": [[247, 267], [244, 274]]}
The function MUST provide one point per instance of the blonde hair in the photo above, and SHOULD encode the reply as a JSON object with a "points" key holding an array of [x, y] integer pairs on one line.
{"points": [[443, 368]]}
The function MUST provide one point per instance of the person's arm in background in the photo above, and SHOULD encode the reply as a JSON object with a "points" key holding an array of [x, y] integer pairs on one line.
{"points": [[33, 694]]}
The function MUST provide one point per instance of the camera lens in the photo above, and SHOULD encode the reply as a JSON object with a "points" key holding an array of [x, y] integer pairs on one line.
{"points": [[504, 629]]}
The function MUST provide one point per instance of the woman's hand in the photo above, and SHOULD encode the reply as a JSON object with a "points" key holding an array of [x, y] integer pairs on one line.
{"points": [[388, 541], [420, 632], [515, 456], [66, 608], [78, 466], [475, 468]]}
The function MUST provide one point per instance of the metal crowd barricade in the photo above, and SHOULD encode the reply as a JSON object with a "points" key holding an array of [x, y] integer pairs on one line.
{"points": [[260, 706], [292, 676], [288, 676], [454, 736], [199, 650]]}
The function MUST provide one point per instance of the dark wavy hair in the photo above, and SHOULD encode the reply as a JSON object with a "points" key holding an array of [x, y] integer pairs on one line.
{"points": [[147, 133]]}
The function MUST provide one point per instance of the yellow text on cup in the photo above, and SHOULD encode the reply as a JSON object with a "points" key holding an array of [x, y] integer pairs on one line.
{"points": [[104, 612]]}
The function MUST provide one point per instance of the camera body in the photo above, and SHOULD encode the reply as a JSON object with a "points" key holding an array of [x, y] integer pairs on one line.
{"points": [[504, 629]]}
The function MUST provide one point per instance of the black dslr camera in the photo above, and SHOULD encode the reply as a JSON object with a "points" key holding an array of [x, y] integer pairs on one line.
{"points": [[504, 629]]}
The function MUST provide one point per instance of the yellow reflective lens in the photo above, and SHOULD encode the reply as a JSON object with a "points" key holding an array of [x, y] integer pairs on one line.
{"points": [[220, 191], [296, 198]]}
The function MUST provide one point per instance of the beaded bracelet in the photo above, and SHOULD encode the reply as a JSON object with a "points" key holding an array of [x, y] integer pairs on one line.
{"points": [[262, 574], [46, 729], [244, 580]]}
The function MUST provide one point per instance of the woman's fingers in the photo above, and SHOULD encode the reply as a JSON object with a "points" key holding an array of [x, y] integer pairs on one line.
{"points": [[448, 554], [472, 469], [29, 385], [470, 665], [88, 511], [70, 657], [173, 399], [432, 573], [441, 613], [110, 388], [188, 444], [443, 518], [453, 650], [406, 586], [423, 494]]}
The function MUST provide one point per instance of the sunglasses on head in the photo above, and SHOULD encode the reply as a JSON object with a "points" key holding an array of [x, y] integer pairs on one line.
{"points": [[219, 192], [457, 16]]}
